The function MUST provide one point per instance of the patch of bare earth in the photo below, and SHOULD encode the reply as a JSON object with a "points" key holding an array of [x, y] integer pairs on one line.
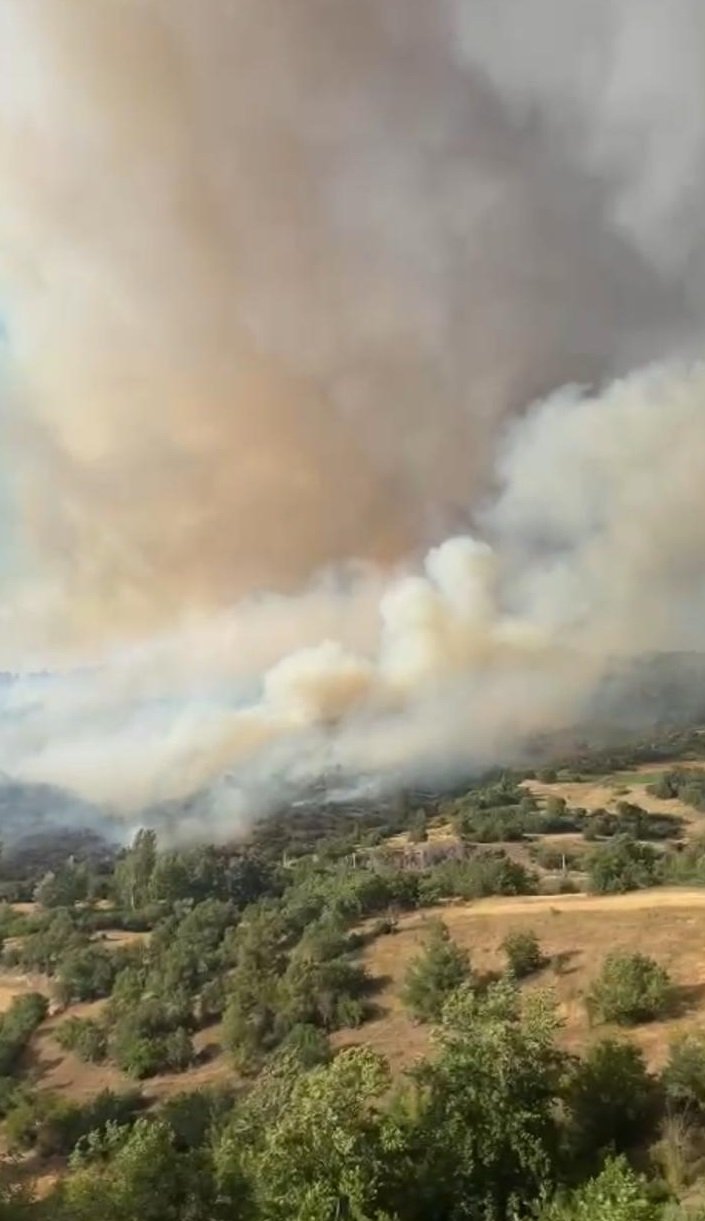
{"points": [[14, 984], [576, 932]]}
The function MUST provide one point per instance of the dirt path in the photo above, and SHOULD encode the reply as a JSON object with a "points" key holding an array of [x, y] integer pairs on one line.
{"points": [[635, 900]]}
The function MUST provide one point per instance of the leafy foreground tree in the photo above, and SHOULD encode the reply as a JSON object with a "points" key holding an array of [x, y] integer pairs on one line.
{"points": [[476, 1133], [484, 1140], [684, 1074], [119, 1177], [434, 974], [316, 1146], [473, 1135], [610, 1099], [617, 1194]]}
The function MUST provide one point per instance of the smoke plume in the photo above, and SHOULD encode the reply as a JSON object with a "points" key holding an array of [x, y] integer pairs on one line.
{"points": [[279, 285]]}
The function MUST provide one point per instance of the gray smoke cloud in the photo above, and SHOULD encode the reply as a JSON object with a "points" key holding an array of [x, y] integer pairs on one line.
{"points": [[280, 283]]}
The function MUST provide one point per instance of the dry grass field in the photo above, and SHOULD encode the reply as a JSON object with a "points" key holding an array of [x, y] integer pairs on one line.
{"points": [[576, 932], [604, 792]]}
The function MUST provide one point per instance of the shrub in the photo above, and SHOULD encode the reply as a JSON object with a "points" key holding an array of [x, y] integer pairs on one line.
{"points": [[17, 1027], [308, 1045], [86, 974], [610, 1098], [418, 831], [86, 1038], [523, 953], [683, 782], [630, 988], [684, 1074], [178, 1053], [622, 865], [434, 974], [487, 873], [194, 1114], [54, 1125], [616, 1194], [147, 1042], [556, 806]]}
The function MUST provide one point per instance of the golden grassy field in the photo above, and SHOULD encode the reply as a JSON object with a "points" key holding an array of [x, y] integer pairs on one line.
{"points": [[576, 932]]}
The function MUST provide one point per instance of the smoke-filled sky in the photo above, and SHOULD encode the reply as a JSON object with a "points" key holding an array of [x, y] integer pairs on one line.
{"points": [[292, 292]]}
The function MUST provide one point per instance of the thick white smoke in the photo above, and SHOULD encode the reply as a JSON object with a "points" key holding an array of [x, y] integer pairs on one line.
{"points": [[597, 551], [278, 285]]}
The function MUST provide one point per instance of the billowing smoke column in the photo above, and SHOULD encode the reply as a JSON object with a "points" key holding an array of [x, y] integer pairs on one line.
{"points": [[279, 284]]}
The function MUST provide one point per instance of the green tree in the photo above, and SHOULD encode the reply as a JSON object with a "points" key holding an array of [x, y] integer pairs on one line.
{"points": [[141, 1174], [617, 1194], [434, 974], [133, 873], [684, 1073], [523, 953], [17, 1026], [314, 1146], [86, 973], [630, 988], [484, 1138], [610, 1098], [84, 1037], [622, 864]]}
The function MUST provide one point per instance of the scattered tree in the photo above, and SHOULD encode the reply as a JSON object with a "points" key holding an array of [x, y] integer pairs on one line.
{"points": [[436, 972], [523, 953], [630, 988]]}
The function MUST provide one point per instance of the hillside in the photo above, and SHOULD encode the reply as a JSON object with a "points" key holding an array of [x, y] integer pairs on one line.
{"points": [[172, 994]]}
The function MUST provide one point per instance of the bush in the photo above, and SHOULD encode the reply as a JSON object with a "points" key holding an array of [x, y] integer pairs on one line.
{"points": [[684, 1074], [523, 953], [622, 865], [193, 1115], [54, 1125], [617, 1194], [487, 873], [151, 1040], [17, 1027], [86, 974], [308, 1045], [686, 783], [630, 988], [86, 1038], [610, 1099], [434, 974]]}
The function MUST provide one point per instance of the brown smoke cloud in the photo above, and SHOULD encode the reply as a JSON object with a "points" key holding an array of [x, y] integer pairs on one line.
{"points": [[278, 283], [272, 275]]}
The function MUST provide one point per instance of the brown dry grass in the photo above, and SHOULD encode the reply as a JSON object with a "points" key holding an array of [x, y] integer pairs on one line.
{"points": [[62, 1072], [577, 930], [605, 792], [13, 984]]}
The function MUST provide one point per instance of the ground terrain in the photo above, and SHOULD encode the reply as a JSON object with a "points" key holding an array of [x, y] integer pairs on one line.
{"points": [[576, 931]]}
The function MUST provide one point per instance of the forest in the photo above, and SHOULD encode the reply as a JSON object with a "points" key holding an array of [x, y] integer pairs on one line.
{"points": [[264, 941]]}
